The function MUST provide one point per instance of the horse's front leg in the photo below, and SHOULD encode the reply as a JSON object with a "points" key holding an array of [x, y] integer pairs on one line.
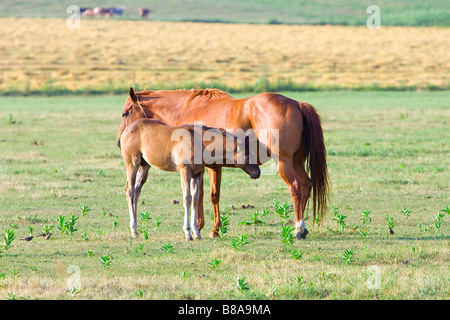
{"points": [[195, 193], [185, 175], [215, 176]]}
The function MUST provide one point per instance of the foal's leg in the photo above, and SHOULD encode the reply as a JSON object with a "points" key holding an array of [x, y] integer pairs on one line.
{"points": [[141, 178], [215, 177], [195, 192], [132, 166], [185, 175], [200, 216], [287, 173]]}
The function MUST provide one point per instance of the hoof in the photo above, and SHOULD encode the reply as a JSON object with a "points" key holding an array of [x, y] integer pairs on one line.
{"points": [[214, 234], [302, 235], [188, 238], [134, 235], [198, 237]]}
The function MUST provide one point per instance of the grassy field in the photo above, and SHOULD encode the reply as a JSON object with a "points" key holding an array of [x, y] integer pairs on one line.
{"points": [[387, 152], [342, 12], [236, 57]]}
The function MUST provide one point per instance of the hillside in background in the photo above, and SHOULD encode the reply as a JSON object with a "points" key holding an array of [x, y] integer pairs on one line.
{"points": [[259, 45], [108, 55], [338, 12]]}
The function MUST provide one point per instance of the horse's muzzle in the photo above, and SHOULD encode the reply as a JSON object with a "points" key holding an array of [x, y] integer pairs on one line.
{"points": [[255, 174]]}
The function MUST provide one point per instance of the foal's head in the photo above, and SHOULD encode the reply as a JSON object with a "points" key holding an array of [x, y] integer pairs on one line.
{"points": [[132, 111], [244, 157]]}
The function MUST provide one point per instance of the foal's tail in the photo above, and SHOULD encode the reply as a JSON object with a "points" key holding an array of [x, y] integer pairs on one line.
{"points": [[316, 157]]}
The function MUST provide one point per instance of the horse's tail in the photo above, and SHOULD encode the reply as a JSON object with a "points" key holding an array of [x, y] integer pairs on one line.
{"points": [[316, 157]]}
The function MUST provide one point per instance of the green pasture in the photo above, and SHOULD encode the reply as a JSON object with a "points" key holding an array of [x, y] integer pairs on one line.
{"points": [[337, 12], [388, 153]]}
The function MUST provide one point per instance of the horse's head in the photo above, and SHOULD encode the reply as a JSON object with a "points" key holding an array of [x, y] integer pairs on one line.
{"points": [[132, 111]]}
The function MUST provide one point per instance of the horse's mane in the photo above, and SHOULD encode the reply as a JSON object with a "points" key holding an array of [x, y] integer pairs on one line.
{"points": [[211, 93], [195, 92], [208, 92], [145, 92]]}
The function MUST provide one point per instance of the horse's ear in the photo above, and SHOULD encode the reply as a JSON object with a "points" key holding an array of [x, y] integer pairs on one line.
{"points": [[133, 95]]}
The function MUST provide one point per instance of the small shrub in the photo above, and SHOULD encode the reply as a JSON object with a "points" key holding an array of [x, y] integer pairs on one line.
{"points": [[406, 212], [390, 223], [136, 251], [139, 293], [340, 220], [446, 210], [253, 221], [348, 256], [8, 238], [225, 218], [167, 248], [144, 217], [297, 255], [242, 285], [214, 263], [283, 211], [238, 242], [366, 219], [84, 209], [287, 236], [438, 220], [106, 261]]}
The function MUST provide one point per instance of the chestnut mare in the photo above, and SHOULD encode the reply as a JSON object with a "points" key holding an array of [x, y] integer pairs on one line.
{"points": [[300, 147], [150, 143]]}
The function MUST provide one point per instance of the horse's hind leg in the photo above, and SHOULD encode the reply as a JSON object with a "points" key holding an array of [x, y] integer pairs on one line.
{"points": [[185, 175], [289, 175], [195, 193], [306, 184]]}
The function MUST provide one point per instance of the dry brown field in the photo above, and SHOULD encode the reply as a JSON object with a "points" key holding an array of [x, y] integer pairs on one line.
{"points": [[43, 54]]}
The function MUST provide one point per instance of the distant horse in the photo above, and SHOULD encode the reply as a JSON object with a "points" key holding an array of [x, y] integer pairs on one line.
{"points": [[143, 12], [88, 13], [150, 143], [100, 12], [119, 10], [300, 142]]}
